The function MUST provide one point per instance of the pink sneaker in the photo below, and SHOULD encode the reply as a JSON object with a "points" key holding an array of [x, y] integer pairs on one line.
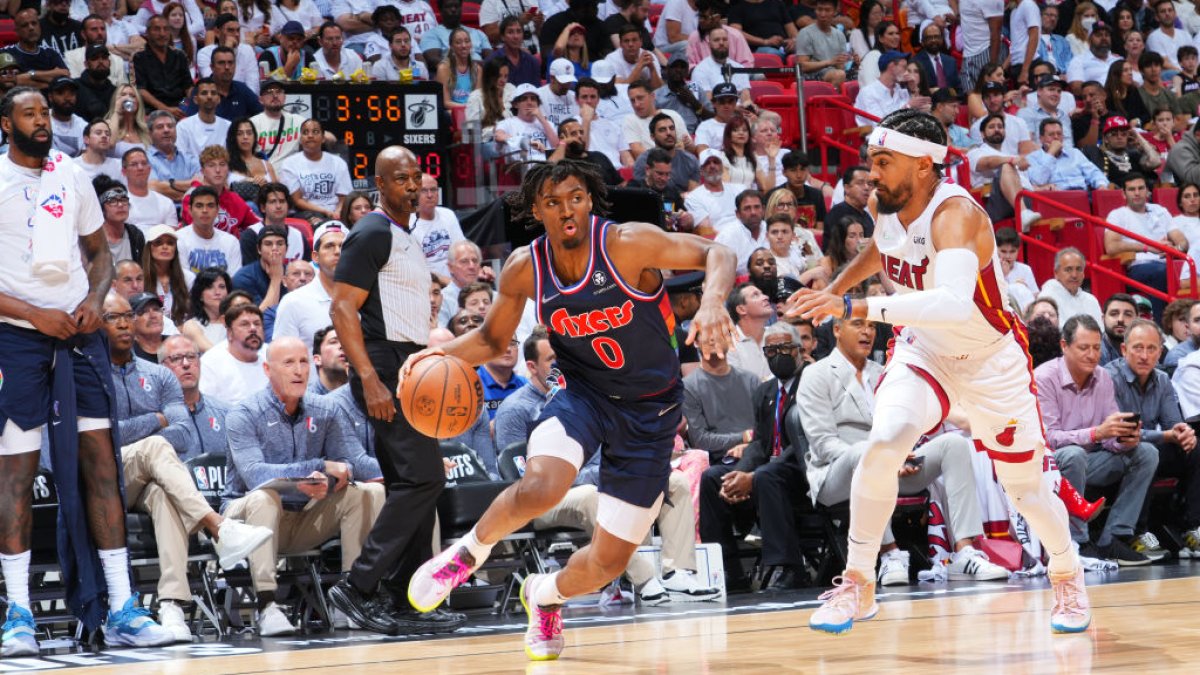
{"points": [[851, 599], [434, 580], [544, 638], [1072, 612]]}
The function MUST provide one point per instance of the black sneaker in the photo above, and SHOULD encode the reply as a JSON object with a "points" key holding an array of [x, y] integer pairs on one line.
{"points": [[411, 622], [1124, 555], [370, 613], [1089, 550]]}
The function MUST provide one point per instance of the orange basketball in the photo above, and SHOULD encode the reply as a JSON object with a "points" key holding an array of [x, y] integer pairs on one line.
{"points": [[442, 396]]}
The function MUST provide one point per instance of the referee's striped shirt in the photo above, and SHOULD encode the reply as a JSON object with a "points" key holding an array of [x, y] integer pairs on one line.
{"points": [[382, 257]]}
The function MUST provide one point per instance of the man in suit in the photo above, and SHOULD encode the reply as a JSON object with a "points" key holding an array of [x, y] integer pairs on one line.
{"points": [[940, 68], [766, 478], [836, 398]]}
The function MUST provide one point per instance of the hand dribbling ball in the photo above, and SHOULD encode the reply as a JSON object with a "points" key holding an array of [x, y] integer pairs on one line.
{"points": [[442, 396]]}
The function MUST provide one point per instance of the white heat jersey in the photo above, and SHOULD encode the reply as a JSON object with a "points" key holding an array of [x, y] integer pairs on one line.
{"points": [[909, 259]]}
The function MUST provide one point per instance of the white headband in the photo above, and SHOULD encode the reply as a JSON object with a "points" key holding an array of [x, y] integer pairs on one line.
{"points": [[907, 145]]}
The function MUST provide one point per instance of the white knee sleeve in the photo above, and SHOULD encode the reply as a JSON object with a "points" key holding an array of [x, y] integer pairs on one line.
{"points": [[1021, 480]]}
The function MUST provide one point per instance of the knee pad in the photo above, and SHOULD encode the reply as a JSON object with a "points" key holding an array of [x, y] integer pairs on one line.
{"points": [[1022, 478]]}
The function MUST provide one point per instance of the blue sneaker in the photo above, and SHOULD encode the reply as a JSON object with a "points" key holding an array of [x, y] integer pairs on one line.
{"points": [[20, 633], [133, 627]]}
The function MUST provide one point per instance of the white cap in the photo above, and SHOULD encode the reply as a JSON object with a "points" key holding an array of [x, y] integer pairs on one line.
{"points": [[325, 228], [157, 231], [525, 89], [603, 72], [563, 71], [709, 153]]}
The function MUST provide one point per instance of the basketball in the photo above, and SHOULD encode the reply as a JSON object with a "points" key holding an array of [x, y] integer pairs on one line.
{"points": [[441, 397]]}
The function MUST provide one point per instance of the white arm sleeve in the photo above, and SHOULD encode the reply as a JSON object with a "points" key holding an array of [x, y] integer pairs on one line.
{"points": [[949, 302]]}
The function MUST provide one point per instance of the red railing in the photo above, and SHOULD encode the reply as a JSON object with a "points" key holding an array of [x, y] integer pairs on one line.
{"points": [[1096, 252], [825, 141]]}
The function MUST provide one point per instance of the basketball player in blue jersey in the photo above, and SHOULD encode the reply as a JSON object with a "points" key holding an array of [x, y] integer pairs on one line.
{"points": [[961, 344], [598, 290]]}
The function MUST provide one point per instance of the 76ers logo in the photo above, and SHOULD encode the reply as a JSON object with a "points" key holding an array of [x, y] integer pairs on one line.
{"points": [[53, 205], [311, 425]]}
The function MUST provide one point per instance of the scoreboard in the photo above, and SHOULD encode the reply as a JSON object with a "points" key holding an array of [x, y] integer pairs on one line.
{"points": [[367, 118]]}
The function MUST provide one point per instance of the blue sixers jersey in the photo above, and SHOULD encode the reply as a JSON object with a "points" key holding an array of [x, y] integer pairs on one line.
{"points": [[615, 339]]}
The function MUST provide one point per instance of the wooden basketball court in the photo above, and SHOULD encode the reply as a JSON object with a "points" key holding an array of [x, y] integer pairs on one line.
{"points": [[1146, 626]]}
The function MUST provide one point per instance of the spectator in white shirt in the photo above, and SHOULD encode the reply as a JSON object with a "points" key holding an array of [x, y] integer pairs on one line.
{"points": [[1167, 39], [678, 20], [1022, 286], [354, 18], [710, 72], [887, 94], [234, 370], [711, 132], [751, 234], [1150, 221], [95, 33], [196, 132], [319, 180], [712, 205], [436, 228], [1025, 32], [333, 61], [1017, 138], [1092, 65], [635, 128], [229, 33], [558, 101], [67, 127], [304, 311], [631, 62], [147, 208], [528, 131], [1004, 172], [200, 244], [1066, 288], [97, 142], [603, 134], [399, 60]]}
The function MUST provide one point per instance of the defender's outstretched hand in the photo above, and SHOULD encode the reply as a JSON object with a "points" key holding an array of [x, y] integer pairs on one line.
{"points": [[814, 305]]}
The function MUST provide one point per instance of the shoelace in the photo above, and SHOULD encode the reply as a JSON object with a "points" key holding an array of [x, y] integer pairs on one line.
{"points": [[844, 589], [130, 612], [549, 623], [1066, 597], [453, 572], [1149, 540]]}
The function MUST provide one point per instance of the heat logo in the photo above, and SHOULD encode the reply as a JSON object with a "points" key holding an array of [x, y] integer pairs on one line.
{"points": [[421, 109]]}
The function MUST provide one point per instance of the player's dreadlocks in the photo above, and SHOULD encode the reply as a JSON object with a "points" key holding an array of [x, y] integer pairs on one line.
{"points": [[539, 173], [917, 124]]}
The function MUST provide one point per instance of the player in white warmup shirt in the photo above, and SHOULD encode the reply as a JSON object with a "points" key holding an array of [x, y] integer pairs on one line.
{"points": [[961, 344]]}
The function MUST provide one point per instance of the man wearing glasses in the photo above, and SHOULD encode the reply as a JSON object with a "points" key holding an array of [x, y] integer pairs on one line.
{"points": [[150, 412]]}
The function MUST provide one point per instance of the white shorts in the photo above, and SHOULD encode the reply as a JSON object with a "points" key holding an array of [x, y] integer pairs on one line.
{"points": [[994, 387]]}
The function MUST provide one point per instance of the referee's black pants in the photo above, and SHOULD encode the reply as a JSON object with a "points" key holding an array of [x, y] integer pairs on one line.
{"points": [[414, 476]]}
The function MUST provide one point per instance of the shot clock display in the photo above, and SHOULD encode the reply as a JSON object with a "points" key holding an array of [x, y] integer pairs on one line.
{"points": [[369, 117]]}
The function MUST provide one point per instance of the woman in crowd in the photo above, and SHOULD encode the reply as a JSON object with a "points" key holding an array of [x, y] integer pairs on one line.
{"points": [[246, 163], [255, 19], [459, 73], [842, 244], [783, 201], [790, 260], [572, 46], [182, 35], [1175, 323], [1045, 340], [1135, 46], [492, 101], [1086, 14], [126, 120], [887, 37], [919, 92], [1123, 97], [164, 275], [358, 204], [223, 7], [742, 168], [1188, 220], [863, 38], [1122, 25], [319, 180], [206, 327], [992, 72]]}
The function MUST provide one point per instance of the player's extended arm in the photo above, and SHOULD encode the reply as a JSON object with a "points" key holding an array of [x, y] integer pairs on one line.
{"points": [[963, 238]]}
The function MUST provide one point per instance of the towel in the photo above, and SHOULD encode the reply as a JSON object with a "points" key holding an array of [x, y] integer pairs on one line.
{"points": [[53, 222]]}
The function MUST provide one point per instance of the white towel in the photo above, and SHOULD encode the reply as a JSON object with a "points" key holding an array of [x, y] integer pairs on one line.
{"points": [[53, 222]]}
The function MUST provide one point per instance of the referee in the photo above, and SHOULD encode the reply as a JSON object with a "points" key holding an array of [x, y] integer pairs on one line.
{"points": [[380, 310]]}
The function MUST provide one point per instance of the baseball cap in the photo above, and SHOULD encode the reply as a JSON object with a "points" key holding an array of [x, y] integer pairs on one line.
{"points": [[709, 153], [292, 28], [994, 88], [154, 233], [94, 51], [692, 282], [562, 70], [1051, 81], [887, 58], [525, 90], [62, 83], [724, 90], [7, 61], [141, 300], [271, 83], [272, 231], [602, 72], [577, 29], [325, 228], [1115, 123], [1099, 25]]}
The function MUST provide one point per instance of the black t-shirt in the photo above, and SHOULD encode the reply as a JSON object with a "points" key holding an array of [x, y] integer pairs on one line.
{"points": [[93, 98], [614, 24], [168, 81], [841, 210], [382, 258], [761, 19], [44, 59], [61, 39]]}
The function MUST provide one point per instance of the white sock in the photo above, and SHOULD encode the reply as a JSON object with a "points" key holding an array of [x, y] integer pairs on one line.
{"points": [[116, 574], [16, 577], [546, 593], [478, 550]]}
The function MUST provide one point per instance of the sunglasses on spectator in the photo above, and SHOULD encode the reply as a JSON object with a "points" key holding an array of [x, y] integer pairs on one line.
{"points": [[114, 317]]}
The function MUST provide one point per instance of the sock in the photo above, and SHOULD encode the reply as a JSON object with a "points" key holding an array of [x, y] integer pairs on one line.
{"points": [[16, 577], [116, 574], [546, 594], [478, 550], [868, 519]]}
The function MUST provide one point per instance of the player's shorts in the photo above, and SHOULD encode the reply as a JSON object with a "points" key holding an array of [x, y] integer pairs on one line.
{"points": [[635, 438], [26, 359], [993, 386]]}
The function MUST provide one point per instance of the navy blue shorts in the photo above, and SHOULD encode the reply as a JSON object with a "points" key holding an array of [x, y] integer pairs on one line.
{"points": [[26, 357], [635, 438]]}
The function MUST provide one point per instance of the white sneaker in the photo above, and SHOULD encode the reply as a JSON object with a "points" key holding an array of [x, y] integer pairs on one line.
{"points": [[1028, 218], [272, 622], [973, 564], [1147, 544], [893, 568], [653, 593], [236, 540], [685, 586], [170, 616]]}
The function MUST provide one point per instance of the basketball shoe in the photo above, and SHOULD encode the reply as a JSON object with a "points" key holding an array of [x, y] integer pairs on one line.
{"points": [[544, 638], [1072, 612], [893, 568], [851, 599], [20, 633], [433, 581], [1191, 544]]}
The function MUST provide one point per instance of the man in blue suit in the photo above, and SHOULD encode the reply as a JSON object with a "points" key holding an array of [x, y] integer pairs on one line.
{"points": [[940, 68]]}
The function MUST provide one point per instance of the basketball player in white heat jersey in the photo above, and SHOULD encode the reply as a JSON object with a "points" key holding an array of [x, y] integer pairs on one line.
{"points": [[961, 344]]}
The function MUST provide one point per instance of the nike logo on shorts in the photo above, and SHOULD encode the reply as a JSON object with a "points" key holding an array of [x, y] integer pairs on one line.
{"points": [[667, 409]]}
